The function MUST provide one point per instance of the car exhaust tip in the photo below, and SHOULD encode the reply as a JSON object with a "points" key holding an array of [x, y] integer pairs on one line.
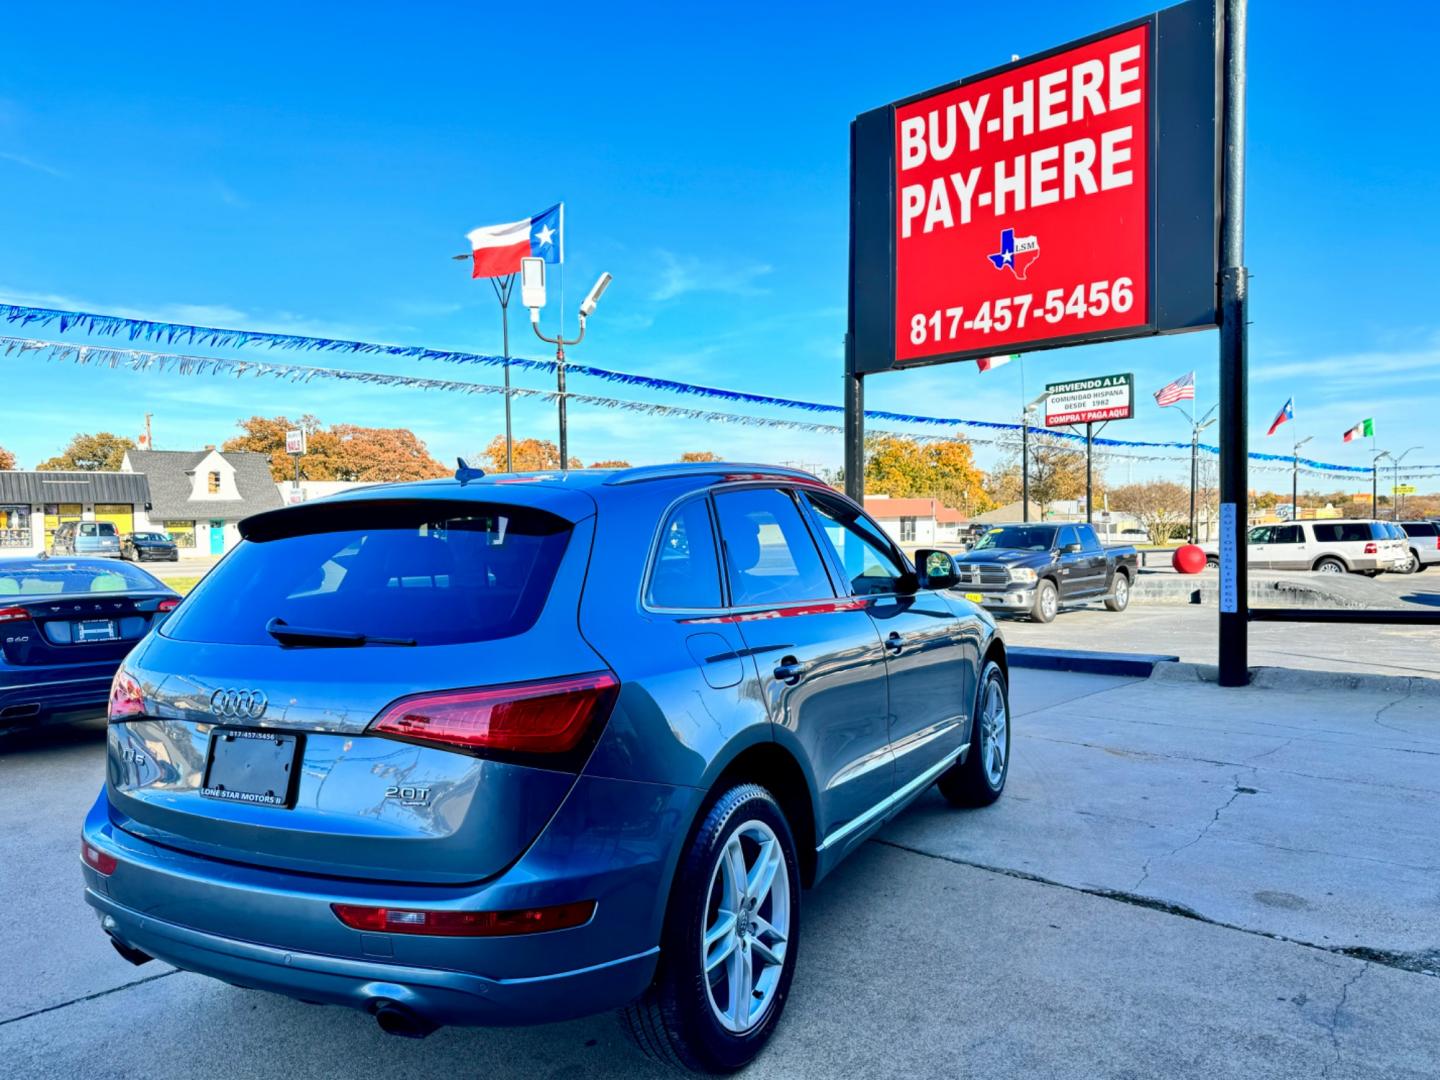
{"points": [[397, 1019], [129, 952]]}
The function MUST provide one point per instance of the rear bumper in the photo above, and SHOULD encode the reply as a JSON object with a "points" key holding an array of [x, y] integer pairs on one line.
{"points": [[34, 698], [614, 842], [444, 997]]}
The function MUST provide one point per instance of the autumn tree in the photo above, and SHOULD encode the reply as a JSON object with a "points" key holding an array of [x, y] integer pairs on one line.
{"points": [[901, 467], [7, 459], [699, 455], [341, 452], [616, 464], [528, 455], [1057, 472], [101, 452], [1159, 505]]}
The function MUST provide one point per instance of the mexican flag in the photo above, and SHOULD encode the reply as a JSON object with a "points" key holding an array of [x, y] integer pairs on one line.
{"points": [[990, 363], [1362, 430]]}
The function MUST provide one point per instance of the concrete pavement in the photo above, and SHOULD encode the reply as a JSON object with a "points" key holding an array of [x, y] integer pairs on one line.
{"points": [[1181, 881]]}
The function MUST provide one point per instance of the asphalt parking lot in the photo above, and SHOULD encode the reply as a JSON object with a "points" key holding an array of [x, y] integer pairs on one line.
{"points": [[1180, 882]]}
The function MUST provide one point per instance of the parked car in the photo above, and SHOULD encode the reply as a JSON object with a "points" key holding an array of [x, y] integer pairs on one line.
{"points": [[65, 625], [1329, 547], [1423, 540], [1031, 569], [85, 538], [510, 750], [142, 546]]}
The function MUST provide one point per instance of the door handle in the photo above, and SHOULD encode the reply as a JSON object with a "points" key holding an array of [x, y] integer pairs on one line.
{"points": [[894, 643], [790, 671]]}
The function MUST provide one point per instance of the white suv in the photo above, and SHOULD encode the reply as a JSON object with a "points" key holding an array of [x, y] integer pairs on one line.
{"points": [[1423, 540], [1330, 547]]}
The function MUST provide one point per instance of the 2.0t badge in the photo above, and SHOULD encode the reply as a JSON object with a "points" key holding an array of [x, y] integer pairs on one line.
{"points": [[239, 704]]}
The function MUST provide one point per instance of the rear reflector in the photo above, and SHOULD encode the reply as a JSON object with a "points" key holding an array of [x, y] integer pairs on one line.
{"points": [[126, 699], [464, 923], [13, 614], [546, 717], [96, 859]]}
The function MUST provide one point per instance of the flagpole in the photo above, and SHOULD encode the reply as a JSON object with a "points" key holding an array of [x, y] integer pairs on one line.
{"points": [[503, 287]]}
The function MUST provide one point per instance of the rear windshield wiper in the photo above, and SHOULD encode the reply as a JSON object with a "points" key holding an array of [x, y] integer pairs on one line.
{"points": [[286, 634]]}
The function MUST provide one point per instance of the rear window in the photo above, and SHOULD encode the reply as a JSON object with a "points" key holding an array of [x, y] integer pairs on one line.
{"points": [[1421, 528], [1339, 532], [53, 577], [438, 574]]}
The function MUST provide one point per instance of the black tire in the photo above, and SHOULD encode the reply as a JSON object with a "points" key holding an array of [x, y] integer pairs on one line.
{"points": [[673, 1021], [1212, 562], [1119, 598], [1415, 565], [968, 783], [1047, 602], [1331, 566]]}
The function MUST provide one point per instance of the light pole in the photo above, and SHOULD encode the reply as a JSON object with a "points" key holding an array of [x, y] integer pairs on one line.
{"points": [[1196, 427], [1295, 480], [1375, 482], [1395, 487], [1025, 455], [532, 295]]}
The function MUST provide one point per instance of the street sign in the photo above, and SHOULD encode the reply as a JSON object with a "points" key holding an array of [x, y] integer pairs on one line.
{"points": [[1067, 198], [295, 441], [1404, 489], [1090, 401]]}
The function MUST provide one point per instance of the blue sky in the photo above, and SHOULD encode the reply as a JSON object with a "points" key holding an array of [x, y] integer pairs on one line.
{"points": [[311, 168]]}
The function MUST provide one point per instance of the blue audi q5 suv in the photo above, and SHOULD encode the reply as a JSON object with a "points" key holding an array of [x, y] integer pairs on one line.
{"points": [[510, 749]]}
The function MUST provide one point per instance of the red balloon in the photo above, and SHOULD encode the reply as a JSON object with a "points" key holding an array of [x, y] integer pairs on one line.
{"points": [[1188, 559]]}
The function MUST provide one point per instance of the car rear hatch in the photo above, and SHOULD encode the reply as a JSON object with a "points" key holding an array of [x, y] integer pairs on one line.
{"points": [[256, 742]]}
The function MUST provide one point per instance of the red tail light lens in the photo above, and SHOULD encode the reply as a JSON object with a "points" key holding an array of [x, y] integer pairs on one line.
{"points": [[168, 605], [13, 614], [96, 859], [546, 717], [464, 923], [126, 699], [1372, 548]]}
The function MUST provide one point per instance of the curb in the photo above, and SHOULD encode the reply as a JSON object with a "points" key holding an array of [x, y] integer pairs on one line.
{"points": [[1134, 665], [1274, 678]]}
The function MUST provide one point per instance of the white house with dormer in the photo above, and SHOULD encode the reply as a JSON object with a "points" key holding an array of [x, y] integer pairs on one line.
{"points": [[198, 496]]}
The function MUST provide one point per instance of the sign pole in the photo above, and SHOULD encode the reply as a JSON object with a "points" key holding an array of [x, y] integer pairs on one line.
{"points": [[1089, 455], [855, 435], [1234, 448]]}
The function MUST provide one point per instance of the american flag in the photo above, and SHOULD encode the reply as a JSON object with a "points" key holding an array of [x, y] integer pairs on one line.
{"points": [[1182, 389]]}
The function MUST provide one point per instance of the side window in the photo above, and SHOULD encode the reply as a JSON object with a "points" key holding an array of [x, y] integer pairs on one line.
{"points": [[1066, 538], [1261, 534], [1287, 534], [686, 573], [1088, 540], [1326, 534], [769, 555], [87, 529], [860, 548]]}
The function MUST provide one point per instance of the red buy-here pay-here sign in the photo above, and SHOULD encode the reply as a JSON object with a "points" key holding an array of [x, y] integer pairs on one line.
{"points": [[1022, 203]]}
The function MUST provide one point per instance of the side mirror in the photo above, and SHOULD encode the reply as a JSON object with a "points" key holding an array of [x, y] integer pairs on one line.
{"points": [[1070, 549], [936, 569]]}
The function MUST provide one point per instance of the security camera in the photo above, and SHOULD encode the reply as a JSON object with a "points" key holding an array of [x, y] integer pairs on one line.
{"points": [[596, 291]]}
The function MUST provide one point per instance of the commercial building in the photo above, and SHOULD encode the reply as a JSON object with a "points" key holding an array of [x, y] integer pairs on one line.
{"points": [[916, 521], [198, 496], [34, 504]]}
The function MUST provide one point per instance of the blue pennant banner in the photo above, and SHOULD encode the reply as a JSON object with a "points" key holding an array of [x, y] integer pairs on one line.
{"points": [[214, 337]]}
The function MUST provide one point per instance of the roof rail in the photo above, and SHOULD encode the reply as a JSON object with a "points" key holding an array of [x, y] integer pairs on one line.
{"points": [[730, 469]]}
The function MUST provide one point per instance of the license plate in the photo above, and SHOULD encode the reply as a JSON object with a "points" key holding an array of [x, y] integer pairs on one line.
{"points": [[975, 597], [257, 767], [95, 630]]}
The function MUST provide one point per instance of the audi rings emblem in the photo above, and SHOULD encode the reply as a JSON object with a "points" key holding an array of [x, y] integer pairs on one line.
{"points": [[239, 704]]}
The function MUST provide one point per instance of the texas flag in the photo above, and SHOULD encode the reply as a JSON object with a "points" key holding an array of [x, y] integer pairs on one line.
{"points": [[1287, 412], [498, 249]]}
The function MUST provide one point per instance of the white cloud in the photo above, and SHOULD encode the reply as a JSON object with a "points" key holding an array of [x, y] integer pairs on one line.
{"points": [[680, 275], [31, 163]]}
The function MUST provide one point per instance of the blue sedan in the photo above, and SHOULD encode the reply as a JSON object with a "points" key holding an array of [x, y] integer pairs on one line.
{"points": [[66, 623]]}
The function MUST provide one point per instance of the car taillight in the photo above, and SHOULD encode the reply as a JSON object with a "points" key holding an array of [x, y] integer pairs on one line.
{"points": [[168, 605], [126, 698], [550, 716], [464, 923], [96, 859], [1372, 548], [13, 614]]}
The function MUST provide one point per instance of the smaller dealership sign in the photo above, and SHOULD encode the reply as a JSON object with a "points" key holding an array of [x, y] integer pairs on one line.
{"points": [[295, 441], [1090, 401]]}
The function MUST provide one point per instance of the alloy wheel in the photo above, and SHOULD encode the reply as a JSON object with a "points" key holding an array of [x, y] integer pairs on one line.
{"points": [[747, 927], [994, 725], [1050, 603], [1122, 591]]}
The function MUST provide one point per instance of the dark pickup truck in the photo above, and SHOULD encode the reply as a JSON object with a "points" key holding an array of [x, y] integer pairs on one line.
{"points": [[1033, 569]]}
